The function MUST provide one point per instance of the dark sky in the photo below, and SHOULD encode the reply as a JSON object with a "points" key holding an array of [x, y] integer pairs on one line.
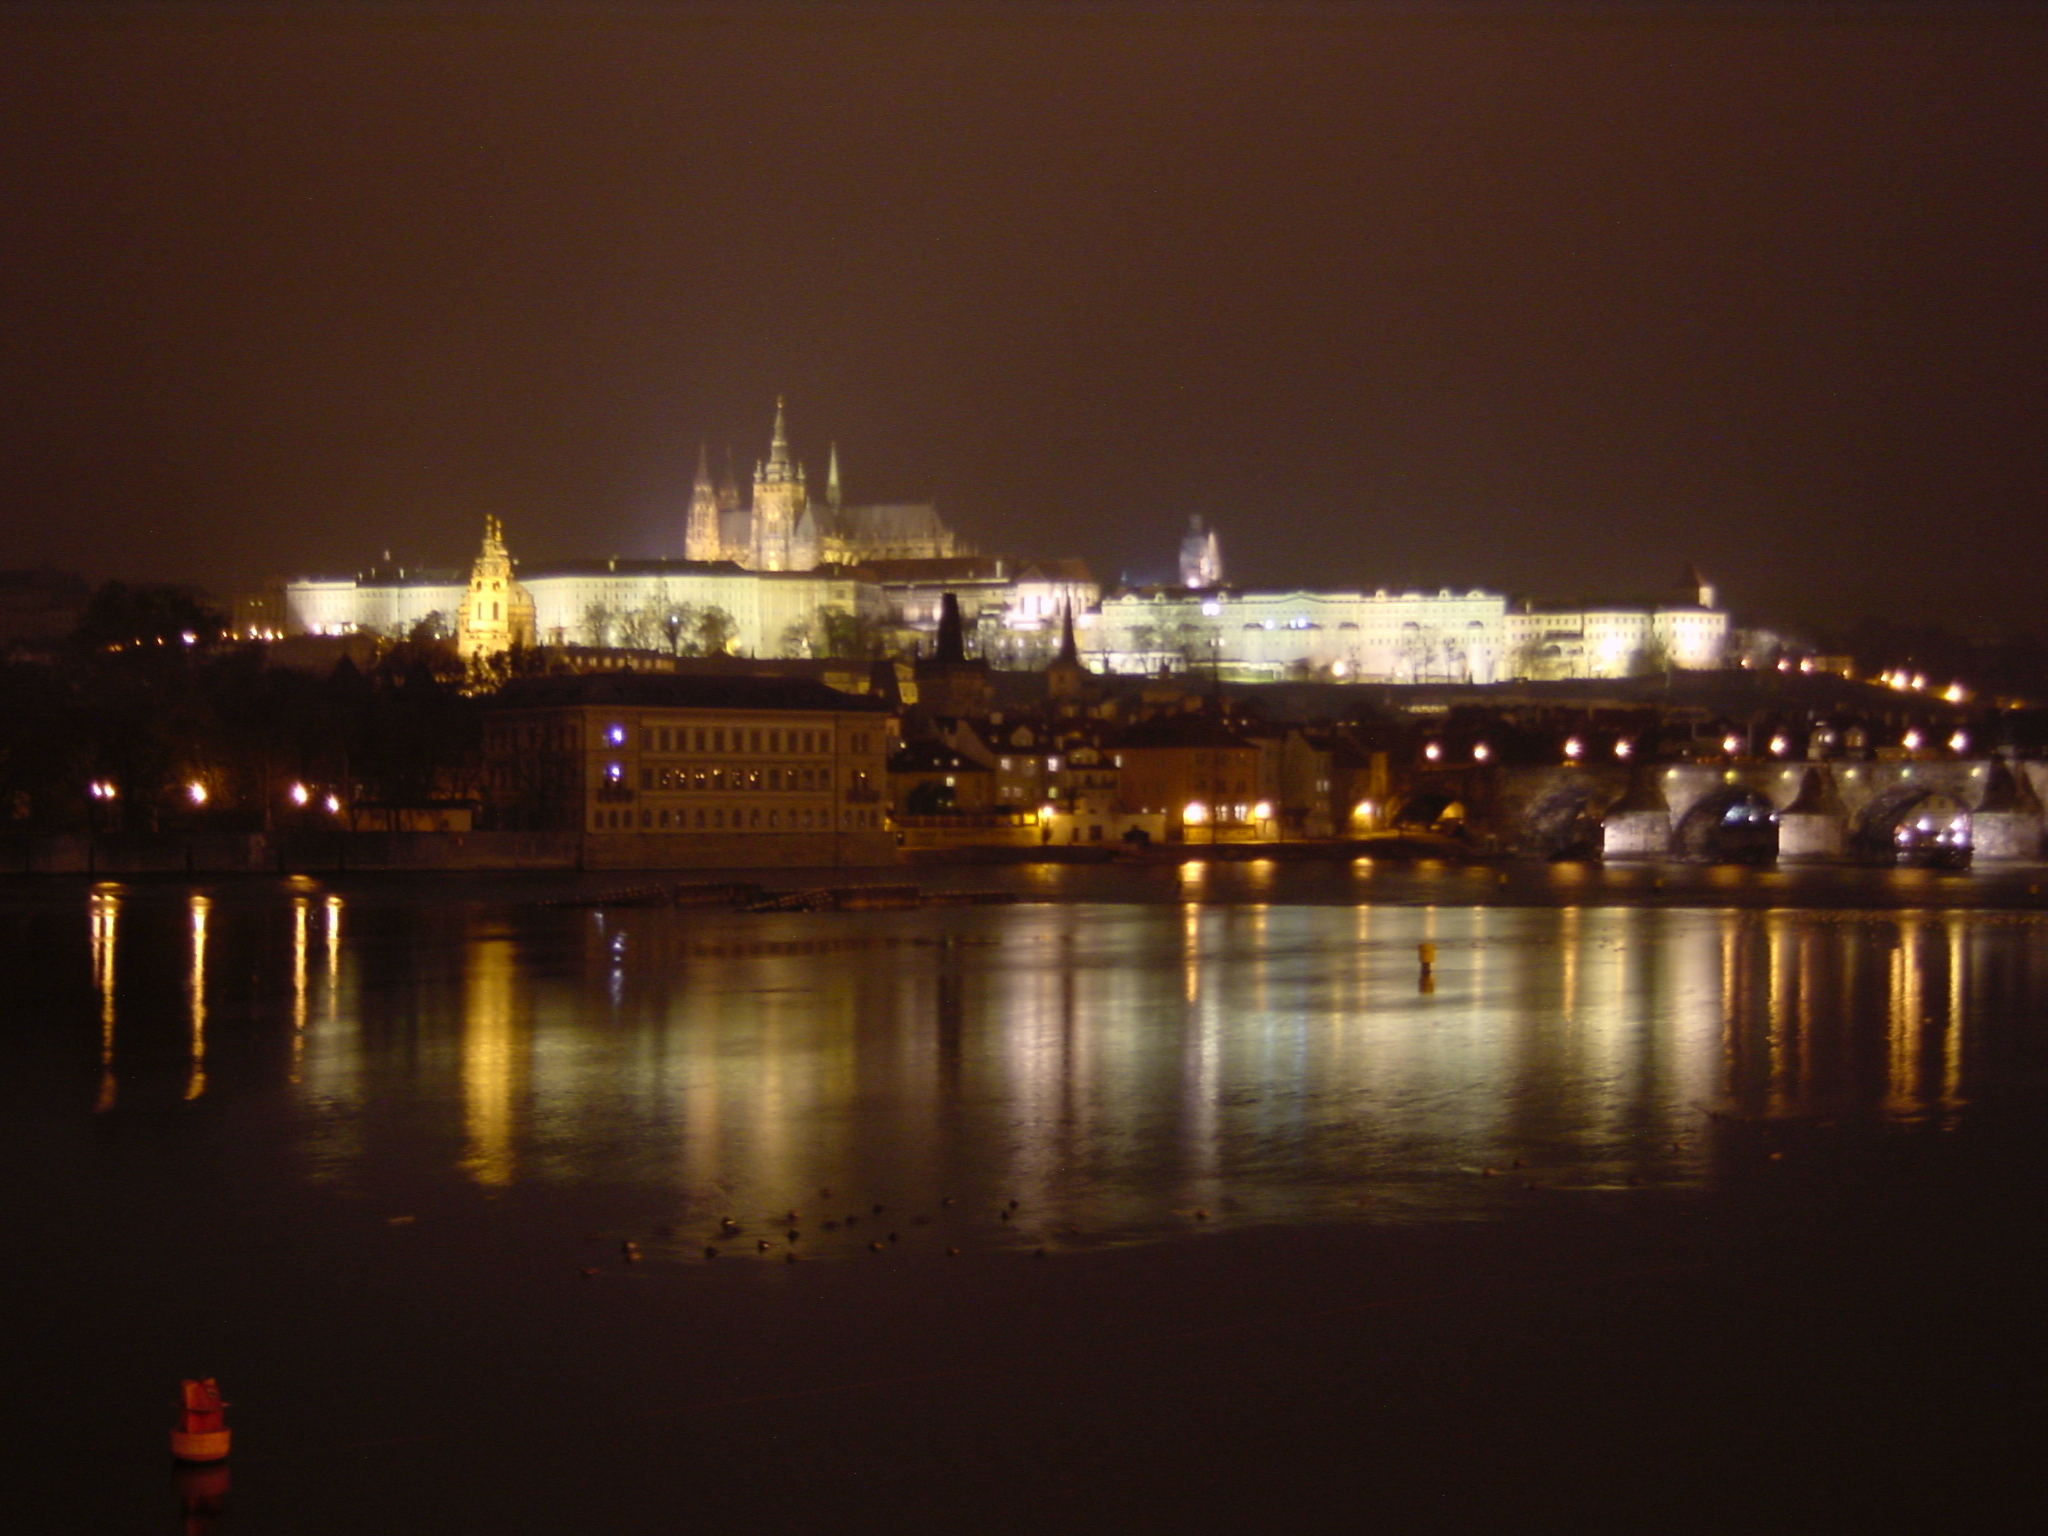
{"points": [[1550, 299]]}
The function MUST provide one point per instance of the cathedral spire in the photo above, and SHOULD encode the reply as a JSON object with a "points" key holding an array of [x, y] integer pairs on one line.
{"points": [[1069, 652], [778, 446], [832, 479]]}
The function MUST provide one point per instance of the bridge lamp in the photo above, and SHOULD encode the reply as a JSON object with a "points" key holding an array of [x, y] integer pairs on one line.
{"points": [[301, 794], [196, 792], [1780, 746], [1956, 693], [1911, 741], [1731, 745], [1433, 751], [1575, 748], [333, 804], [1960, 742], [1623, 749], [1481, 752]]}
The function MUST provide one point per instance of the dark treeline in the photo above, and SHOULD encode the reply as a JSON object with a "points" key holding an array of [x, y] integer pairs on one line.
{"points": [[2010, 667], [148, 721]]}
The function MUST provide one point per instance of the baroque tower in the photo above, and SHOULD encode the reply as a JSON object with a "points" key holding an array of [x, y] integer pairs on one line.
{"points": [[496, 612]]}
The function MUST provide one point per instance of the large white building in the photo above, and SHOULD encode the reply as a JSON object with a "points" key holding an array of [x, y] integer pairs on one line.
{"points": [[629, 603], [1392, 637]]}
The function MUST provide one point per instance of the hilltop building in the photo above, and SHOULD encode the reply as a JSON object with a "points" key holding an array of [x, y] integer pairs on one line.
{"points": [[771, 577], [782, 530]]}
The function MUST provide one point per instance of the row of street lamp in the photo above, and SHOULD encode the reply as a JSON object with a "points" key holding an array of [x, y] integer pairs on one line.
{"points": [[197, 793], [1731, 746]]}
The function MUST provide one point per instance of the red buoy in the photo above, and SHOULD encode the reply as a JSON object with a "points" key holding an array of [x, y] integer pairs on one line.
{"points": [[201, 1433]]}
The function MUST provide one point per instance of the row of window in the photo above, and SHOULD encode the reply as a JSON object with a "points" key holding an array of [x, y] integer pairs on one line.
{"points": [[700, 780], [720, 738], [535, 738], [736, 819]]}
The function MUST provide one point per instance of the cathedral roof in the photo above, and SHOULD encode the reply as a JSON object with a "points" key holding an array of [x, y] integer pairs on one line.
{"points": [[1056, 570], [891, 522]]}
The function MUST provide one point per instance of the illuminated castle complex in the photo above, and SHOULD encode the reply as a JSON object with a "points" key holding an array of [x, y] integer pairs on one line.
{"points": [[775, 576]]}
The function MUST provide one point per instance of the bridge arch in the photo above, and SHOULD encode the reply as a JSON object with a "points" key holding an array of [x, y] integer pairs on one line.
{"points": [[1913, 824], [1431, 810], [1564, 824], [1732, 824]]}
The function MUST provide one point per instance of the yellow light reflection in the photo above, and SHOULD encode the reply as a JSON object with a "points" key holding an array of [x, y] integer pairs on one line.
{"points": [[195, 988], [106, 913], [490, 1063], [1905, 1017], [1958, 1005], [1778, 1025], [1568, 940], [301, 912], [333, 958]]}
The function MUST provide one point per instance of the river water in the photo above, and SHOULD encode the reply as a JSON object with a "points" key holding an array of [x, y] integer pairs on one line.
{"points": [[233, 1104]]}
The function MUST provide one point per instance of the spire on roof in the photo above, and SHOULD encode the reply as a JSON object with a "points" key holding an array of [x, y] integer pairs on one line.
{"points": [[832, 479], [1069, 652], [952, 639], [778, 446]]}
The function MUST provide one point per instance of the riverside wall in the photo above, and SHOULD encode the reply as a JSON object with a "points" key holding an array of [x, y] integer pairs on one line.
{"points": [[248, 853]]}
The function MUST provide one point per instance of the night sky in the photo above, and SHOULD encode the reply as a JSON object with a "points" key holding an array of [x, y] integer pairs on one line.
{"points": [[1555, 300]]}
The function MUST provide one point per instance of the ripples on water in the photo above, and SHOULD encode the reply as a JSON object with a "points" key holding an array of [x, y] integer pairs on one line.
{"points": [[1115, 1067]]}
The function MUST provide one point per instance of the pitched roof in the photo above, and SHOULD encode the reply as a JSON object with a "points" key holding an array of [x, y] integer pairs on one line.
{"points": [[661, 690]]}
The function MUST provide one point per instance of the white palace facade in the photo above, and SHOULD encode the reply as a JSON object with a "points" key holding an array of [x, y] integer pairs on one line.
{"points": [[1392, 637]]}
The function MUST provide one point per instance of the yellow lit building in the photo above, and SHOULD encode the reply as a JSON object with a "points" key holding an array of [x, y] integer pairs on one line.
{"points": [[665, 771]]}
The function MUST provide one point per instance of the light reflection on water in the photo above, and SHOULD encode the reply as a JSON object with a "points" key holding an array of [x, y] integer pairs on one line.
{"points": [[1114, 1068]]}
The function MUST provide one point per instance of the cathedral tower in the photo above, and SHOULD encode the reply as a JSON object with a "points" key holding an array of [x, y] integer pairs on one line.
{"points": [[1201, 558], [779, 502], [701, 539]]}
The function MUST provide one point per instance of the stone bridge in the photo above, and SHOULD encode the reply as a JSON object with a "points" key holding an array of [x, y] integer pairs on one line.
{"points": [[1819, 809]]}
